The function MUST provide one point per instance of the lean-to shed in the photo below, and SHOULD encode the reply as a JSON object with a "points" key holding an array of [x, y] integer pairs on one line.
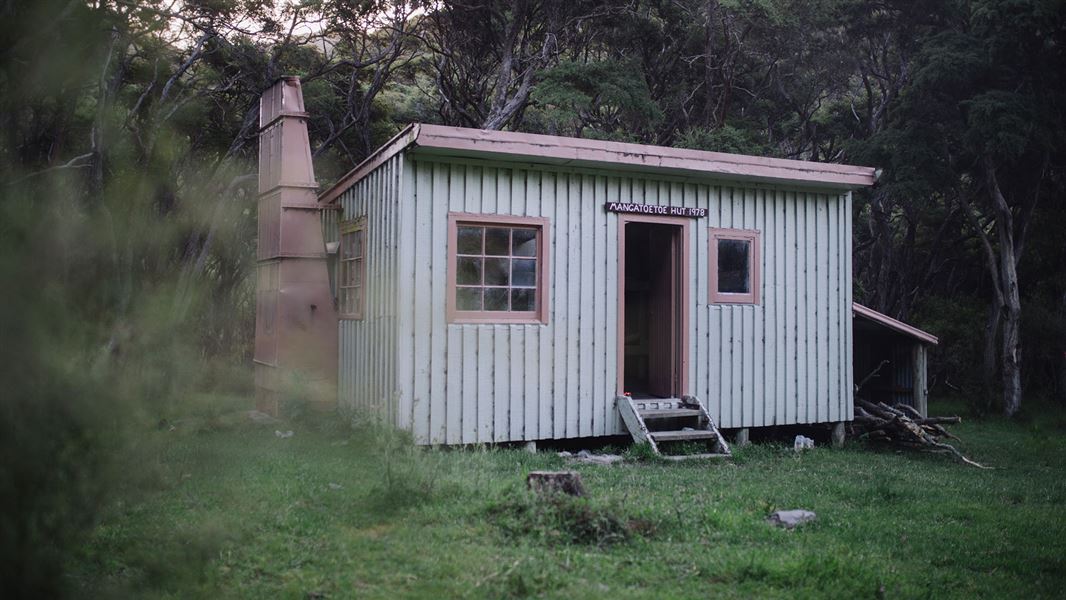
{"points": [[495, 286]]}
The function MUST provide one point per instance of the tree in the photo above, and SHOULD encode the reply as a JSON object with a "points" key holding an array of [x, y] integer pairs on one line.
{"points": [[989, 94]]}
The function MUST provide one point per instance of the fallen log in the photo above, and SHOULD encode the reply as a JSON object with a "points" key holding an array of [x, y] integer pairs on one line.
{"points": [[904, 426]]}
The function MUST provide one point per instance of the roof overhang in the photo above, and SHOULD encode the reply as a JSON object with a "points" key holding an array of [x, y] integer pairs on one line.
{"points": [[897, 326], [555, 150]]}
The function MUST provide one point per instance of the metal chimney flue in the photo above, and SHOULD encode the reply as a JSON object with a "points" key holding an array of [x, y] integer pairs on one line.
{"points": [[295, 318]]}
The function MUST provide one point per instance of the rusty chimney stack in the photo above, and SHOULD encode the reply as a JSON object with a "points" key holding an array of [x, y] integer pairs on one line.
{"points": [[295, 319]]}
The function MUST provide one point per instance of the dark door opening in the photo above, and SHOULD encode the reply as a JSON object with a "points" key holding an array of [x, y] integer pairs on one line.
{"points": [[652, 295]]}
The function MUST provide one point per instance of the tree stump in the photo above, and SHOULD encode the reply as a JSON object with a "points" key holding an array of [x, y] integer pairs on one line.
{"points": [[552, 482]]}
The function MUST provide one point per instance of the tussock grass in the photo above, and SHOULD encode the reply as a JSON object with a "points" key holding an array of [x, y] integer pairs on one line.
{"points": [[559, 518], [238, 512]]}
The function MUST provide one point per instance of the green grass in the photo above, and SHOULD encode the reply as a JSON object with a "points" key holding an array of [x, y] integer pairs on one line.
{"points": [[233, 511]]}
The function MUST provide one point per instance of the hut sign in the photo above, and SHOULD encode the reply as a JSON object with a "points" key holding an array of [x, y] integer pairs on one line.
{"points": [[652, 209]]}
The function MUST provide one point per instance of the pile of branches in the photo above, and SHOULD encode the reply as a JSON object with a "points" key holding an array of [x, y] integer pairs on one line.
{"points": [[902, 425]]}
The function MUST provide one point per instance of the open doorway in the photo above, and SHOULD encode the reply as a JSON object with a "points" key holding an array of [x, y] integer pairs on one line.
{"points": [[653, 315]]}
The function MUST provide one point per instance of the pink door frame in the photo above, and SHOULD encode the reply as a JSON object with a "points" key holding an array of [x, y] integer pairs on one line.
{"points": [[682, 303]]}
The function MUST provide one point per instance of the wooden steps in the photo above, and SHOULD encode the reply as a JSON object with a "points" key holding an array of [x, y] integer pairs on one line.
{"points": [[663, 420], [682, 435], [669, 413]]}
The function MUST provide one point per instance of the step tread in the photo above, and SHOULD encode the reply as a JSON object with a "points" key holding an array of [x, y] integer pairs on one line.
{"points": [[679, 457], [695, 434], [668, 413]]}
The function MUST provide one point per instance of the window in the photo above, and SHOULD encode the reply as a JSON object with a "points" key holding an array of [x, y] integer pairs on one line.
{"points": [[351, 296], [497, 269], [734, 266]]}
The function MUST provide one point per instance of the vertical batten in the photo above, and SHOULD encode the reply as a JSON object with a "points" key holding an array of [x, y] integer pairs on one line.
{"points": [[598, 392], [758, 416], [714, 329], [833, 295], [546, 394], [611, 300], [849, 389], [586, 311], [560, 306]]}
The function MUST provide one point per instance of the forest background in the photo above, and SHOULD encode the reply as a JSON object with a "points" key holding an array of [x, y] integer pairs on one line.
{"points": [[128, 159]]}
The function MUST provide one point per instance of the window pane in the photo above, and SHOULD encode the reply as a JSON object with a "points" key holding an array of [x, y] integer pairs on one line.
{"points": [[468, 271], [524, 272], [357, 299], [733, 262], [523, 299], [469, 240], [357, 244], [497, 241], [357, 272], [468, 298], [495, 298], [496, 271], [524, 242]]}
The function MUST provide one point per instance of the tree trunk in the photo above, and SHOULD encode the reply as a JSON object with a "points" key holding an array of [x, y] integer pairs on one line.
{"points": [[991, 352], [1012, 305], [1012, 368]]}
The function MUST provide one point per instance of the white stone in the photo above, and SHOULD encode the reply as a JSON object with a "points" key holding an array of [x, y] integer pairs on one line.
{"points": [[790, 519]]}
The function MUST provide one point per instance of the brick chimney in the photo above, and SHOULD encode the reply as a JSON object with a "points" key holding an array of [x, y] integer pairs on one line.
{"points": [[295, 319]]}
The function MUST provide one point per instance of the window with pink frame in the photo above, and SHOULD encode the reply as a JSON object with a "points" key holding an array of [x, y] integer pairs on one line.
{"points": [[734, 266], [351, 292], [497, 269]]}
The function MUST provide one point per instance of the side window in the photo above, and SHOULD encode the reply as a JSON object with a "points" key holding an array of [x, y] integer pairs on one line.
{"points": [[351, 288], [497, 269], [734, 266]]}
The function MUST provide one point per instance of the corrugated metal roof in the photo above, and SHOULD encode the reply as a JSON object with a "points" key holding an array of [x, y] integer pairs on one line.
{"points": [[893, 324], [549, 149]]}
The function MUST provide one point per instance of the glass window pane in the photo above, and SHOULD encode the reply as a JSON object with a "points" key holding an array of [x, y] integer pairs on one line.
{"points": [[468, 270], [357, 272], [524, 242], [357, 244], [495, 298], [523, 299], [497, 271], [497, 241], [357, 299], [733, 263], [524, 272], [468, 298], [468, 240]]}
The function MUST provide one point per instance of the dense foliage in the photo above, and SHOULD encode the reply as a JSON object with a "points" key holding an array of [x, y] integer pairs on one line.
{"points": [[127, 202]]}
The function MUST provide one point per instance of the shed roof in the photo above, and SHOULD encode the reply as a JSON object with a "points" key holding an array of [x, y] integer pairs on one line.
{"points": [[897, 326], [556, 150]]}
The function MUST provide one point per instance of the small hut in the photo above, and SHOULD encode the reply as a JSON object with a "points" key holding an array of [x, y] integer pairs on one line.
{"points": [[497, 287]]}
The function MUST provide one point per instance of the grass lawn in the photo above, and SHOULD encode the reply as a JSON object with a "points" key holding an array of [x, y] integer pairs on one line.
{"points": [[236, 511]]}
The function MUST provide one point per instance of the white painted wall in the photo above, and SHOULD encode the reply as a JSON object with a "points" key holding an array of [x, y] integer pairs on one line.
{"points": [[785, 361]]}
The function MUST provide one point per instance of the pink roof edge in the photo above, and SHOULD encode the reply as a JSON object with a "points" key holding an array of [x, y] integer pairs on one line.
{"points": [[893, 324], [552, 149]]}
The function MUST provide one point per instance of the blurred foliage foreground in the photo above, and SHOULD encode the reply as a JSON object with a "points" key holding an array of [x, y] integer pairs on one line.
{"points": [[127, 201]]}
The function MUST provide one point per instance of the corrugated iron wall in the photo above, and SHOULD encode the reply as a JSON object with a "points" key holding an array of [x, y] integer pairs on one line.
{"points": [[784, 361], [367, 374]]}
